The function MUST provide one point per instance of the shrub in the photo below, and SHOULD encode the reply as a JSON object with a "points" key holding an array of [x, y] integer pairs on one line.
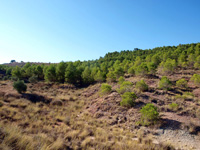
{"points": [[149, 114], [121, 80], [196, 79], [126, 86], [105, 89], [168, 66], [118, 71], [111, 77], [141, 70], [99, 77], [33, 79], [182, 83], [173, 106], [165, 83], [86, 76], [197, 65], [131, 71], [6, 78], [151, 67], [128, 99], [20, 86], [141, 86]]}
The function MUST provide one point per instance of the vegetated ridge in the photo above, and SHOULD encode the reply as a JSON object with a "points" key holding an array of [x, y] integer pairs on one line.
{"points": [[150, 101]]}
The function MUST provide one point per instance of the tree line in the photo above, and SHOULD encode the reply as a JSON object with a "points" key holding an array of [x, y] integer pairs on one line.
{"points": [[110, 67]]}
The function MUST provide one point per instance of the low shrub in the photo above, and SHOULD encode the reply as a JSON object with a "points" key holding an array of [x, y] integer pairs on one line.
{"points": [[149, 114], [121, 80], [165, 83], [196, 79], [131, 70], [33, 79], [141, 86], [126, 86], [128, 99], [182, 83], [105, 89], [111, 77], [20, 86], [173, 106]]}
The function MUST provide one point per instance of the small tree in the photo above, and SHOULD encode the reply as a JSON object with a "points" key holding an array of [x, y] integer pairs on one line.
{"points": [[151, 67], [105, 89], [99, 77], [128, 99], [118, 71], [20, 86], [168, 66], [196, 79], [16, 72], [165, 83], [149, 114], [141, 70], [60, 72], [86, 76], [121, 80], [111, 77], [33, 79], [50, 73], [141, 86], [126, 86], [182, 83], [131, 70]]}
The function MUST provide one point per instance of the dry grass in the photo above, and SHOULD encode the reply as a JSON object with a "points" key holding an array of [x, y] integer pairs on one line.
{"points": [[42, 126]]}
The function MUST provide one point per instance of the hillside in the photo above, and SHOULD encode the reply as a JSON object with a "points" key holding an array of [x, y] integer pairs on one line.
{"points": [[69, 106]]}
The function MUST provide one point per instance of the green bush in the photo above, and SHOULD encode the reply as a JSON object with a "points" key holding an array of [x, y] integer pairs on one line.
{"points": [[128, 99], [167, 67], [165, 83], [173, 106], [105, 89], [121, 80], [149, 114], [152, 67], [126, 86], [141, 86], [33, 79], [182, 83], [196, 79], [20, 86], [141, 70], [131, 70], [197, 65], [111, 77], [118, 71]]}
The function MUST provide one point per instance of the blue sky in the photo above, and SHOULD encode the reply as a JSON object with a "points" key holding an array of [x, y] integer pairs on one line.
{"points": [[69, 30]]}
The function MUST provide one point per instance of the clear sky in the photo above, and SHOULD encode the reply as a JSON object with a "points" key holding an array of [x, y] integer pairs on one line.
{"points": [[69, 30]]}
